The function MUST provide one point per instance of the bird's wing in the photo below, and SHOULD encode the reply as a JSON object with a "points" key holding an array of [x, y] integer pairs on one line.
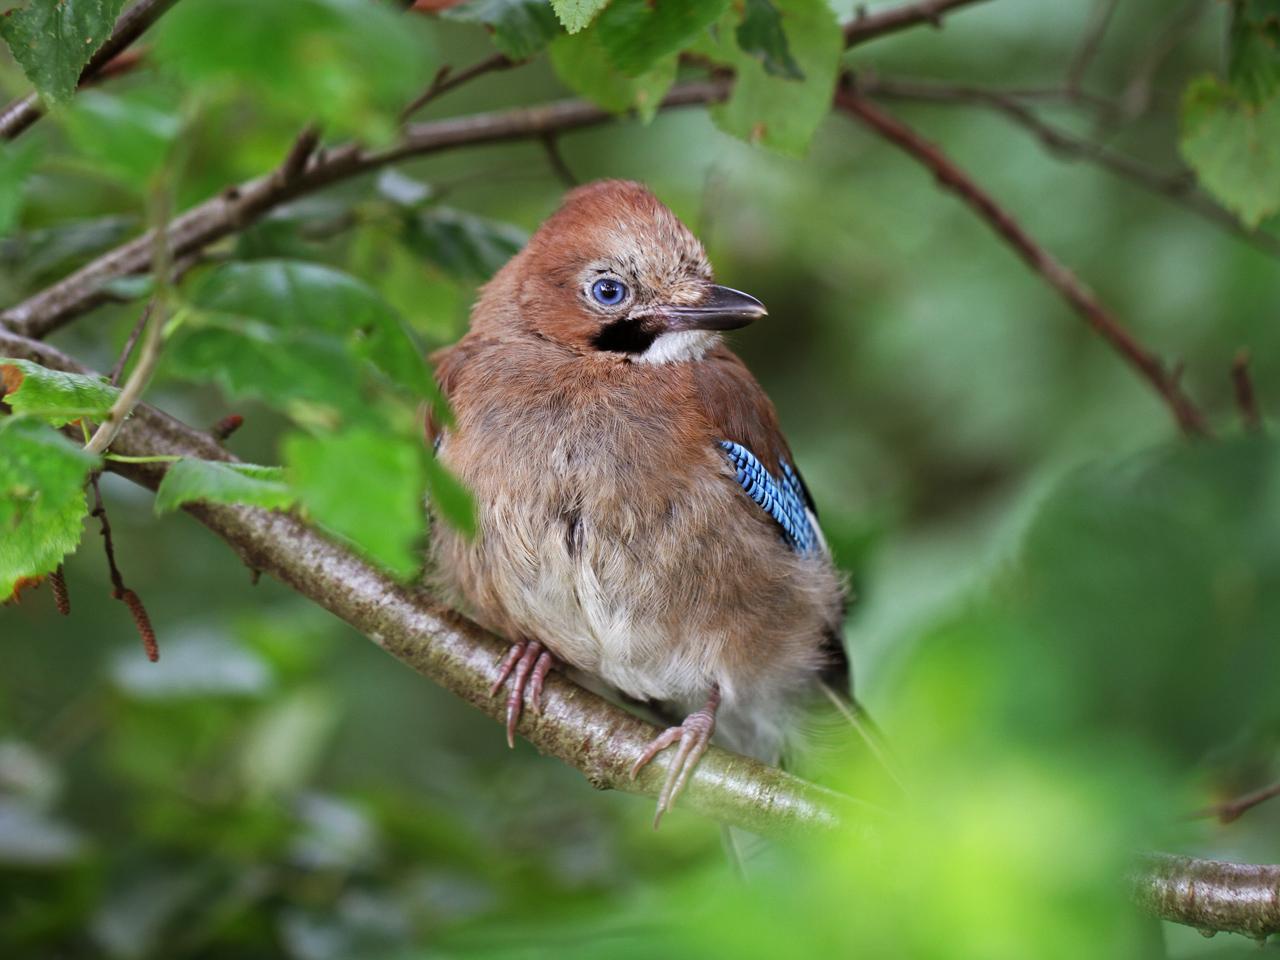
{"points": [[747, 431], [447, 364]]}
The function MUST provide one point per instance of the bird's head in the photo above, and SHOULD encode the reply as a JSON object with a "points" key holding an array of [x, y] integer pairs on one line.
{"points": [[613, 272]]}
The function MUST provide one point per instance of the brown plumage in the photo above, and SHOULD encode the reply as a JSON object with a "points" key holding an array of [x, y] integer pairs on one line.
{"points": [[613, 535]]}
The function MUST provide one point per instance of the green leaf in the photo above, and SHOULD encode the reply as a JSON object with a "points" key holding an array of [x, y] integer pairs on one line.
{"points": [[366, 486], [42, 503], [17, 160], [125, 135], [31, 390], [217, 481], [583, 64], [636, 34], [54, 39], [299, 336], [520, 28], [577, 14], [1234, 147], [453, 502], [1253, 50], [1152, 588], [760, 34], [349, 64], [776, 111], [463, 244]]}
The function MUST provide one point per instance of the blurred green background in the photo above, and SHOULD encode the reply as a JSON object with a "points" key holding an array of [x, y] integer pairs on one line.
{"points": [[1068, 620]]}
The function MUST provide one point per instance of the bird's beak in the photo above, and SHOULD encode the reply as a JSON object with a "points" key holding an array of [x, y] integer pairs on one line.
{"points": [[722, 309]]}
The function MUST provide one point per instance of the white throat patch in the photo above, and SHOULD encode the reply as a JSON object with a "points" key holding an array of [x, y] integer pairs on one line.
{"points": [[677, 346]]}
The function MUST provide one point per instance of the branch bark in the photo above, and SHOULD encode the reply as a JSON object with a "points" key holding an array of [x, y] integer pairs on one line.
{"points": [[576, 726], [868, 26], [20, 114], [1081, 299], [239, 206]]}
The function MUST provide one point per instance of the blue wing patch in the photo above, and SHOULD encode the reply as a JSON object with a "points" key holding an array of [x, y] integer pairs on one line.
{"points": [[783, 498]]}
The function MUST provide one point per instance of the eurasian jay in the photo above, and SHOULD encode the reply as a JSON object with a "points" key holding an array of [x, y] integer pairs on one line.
{"points": [[640, 517]]}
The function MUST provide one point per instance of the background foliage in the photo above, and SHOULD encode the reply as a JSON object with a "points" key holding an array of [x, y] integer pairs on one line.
{"points": [[1066, 616]]}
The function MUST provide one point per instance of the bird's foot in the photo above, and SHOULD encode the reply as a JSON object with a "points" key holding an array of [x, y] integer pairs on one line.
{"points": [[530, 662], [694, 735]]}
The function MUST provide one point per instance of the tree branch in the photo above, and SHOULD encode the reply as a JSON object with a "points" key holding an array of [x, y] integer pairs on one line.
{"points": [[1079, 296], [868, 26], [576, 726], [23, 112], [1179, 187], [237, 207]]}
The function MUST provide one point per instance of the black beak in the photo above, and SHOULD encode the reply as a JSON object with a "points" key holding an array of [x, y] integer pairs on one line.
{"points": [[722, 309]]}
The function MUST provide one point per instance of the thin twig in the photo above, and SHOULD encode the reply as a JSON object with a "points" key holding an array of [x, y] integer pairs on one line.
{"points": [[118, 589], [137, 382], [551, 146], [868, 26], [1136, 97], [1090, 43], [1230, 811], [1178, 187], [1069, 287], [445, 80], [237, 207], [575, 726], [1246, 398], [123, 360], [225, 427], [18, 115]]}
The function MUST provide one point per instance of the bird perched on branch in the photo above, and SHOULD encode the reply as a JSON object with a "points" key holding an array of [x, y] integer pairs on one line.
{"points": [[640, 516]]}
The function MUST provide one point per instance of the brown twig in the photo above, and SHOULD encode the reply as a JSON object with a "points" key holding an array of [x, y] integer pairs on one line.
{"points": [[575, 726], [239, 206], [1246, 399], [868, 26], [1232, 810], [118, 589], [123, 360], [1090, 43], [18, 115], [1068, 286], [445, 80], [551, 146], [58, 584], [225, 427], [1179, 187]]}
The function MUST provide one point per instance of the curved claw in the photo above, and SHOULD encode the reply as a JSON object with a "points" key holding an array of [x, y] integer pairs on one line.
{"points": [[694, 736], [530, 662]]}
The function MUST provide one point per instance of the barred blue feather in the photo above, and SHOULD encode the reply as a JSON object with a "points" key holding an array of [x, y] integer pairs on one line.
{"points": [[782, 498]]}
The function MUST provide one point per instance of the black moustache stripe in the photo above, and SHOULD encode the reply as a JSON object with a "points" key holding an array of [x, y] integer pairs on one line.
{"points": [[626, 335]]}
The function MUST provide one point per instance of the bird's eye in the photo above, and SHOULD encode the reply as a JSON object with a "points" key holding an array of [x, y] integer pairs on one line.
{"points": [[609, 292]]}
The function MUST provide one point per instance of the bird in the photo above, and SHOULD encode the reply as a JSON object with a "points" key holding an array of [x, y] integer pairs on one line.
{"points": [[639, 515]]}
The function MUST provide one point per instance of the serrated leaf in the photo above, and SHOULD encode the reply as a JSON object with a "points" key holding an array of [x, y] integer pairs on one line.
{"points": [[636, 34], [760, 34], [583, 64], [31, 390], [42, 502], [452, 501], [577, 14], [1234, 147], [366, 486], [776, 111], [218, 481], [463, 244], [54, 39], [520, 28], [299, 336], [1253, 49]]}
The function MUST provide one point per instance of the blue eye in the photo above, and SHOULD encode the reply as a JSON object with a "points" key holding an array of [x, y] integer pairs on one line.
{"points": [[609, 292]]}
